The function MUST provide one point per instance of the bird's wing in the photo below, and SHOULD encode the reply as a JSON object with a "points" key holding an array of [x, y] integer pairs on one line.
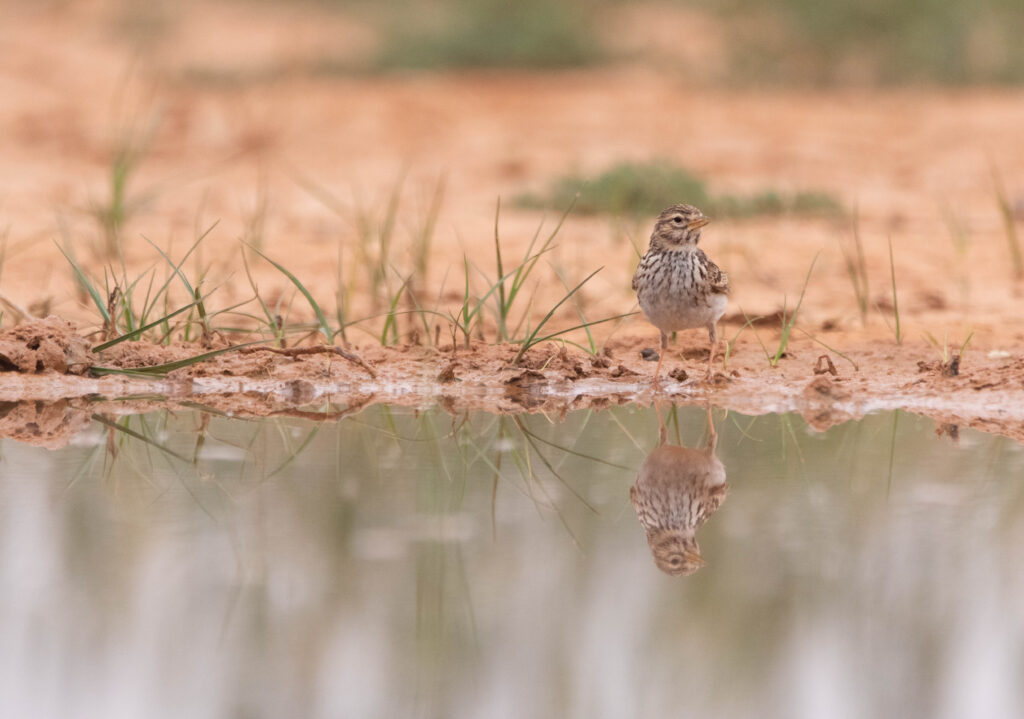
{"points": [[718, 280]]}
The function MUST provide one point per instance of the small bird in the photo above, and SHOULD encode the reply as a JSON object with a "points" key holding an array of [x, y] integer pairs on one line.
{"points": [[676, 490], [677, 285]]}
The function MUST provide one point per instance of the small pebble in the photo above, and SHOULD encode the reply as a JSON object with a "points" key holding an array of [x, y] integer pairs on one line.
{"points": [[649, 354]]}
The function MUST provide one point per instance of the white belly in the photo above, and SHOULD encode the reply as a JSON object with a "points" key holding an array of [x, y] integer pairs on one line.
{"points": [[669, 313]]}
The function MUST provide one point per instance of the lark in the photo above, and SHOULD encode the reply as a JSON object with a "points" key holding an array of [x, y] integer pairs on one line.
{"points": [[676, 490], [677, 285]]}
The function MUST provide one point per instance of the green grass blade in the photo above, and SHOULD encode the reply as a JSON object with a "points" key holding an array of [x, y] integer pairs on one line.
{"points": [[97, 299], [135, 333], [787, 324], [532, 337], [1009, 225], [502, 308], [176, 268], [162, 369], [895, 301], [559, 333], [320, 317], [579, 311], [391, 322], [139, 436]]}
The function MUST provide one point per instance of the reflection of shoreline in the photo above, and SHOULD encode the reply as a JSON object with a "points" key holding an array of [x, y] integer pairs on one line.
{"points": [[676, 490]]}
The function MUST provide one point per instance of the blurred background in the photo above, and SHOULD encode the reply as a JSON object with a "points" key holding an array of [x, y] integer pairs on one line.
{"points": [[380, 137]]}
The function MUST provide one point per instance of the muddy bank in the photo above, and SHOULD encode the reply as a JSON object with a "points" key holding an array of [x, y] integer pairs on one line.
{"points": [[982, 391]]}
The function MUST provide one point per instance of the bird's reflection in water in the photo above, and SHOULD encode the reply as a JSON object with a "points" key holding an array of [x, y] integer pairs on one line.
{"points": [[676, 490]]}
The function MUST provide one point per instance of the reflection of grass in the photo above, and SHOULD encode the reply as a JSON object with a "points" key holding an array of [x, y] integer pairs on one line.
{"points": [[647, 188], [493, 33]]}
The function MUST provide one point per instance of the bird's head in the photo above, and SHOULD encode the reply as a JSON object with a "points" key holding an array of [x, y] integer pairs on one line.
{"points": [[679, 226], [675, 553]]}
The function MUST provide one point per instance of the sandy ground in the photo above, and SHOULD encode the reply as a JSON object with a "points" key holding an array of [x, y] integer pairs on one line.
{"points": [[293, 160]]}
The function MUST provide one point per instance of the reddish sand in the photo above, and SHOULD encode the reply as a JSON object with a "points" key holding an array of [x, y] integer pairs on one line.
{"points": [[293, 161]]}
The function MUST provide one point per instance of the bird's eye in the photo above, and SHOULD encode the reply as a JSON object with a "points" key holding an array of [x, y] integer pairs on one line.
{"points": [[677, 219], [676, 561]]}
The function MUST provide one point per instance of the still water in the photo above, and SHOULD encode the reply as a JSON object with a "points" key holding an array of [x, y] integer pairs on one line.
{"points": [[401, 564]]}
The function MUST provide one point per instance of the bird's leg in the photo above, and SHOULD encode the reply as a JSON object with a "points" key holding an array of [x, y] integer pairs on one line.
{"points": [[712, 434], [661, 357], [662, 430], [713, 337]]}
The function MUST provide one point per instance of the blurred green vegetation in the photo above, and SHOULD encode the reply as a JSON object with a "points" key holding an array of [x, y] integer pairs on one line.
{"points": [[875, 41], [779, 41], [647, 188], [764, 41], [490, 33]]}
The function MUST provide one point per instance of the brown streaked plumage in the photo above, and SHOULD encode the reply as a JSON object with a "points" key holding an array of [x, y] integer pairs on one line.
{"points": [[676, 490], [677, 286]]}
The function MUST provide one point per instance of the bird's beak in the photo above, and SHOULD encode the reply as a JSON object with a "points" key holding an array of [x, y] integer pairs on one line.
{"points": [[693, 558], [698, 223]]}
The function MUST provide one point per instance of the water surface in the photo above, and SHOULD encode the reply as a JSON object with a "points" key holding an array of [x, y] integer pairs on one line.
{"points": [[401, 564]]}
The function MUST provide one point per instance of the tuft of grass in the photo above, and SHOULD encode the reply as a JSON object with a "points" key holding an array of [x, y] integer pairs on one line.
{"points": [[322, 324], [135, 334], [729, 344], [505, 297], [122, 200], [1009, 226], [629, 188], [943, 349], [529, 34], [895, 300], [533, 337], [788, 322], [857, 271], [85, 283], [961, 245], [134, 308], [379, 248]]}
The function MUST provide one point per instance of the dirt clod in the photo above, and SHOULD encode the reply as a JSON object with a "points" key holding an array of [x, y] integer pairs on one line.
{"points": [[447, 374], [622, 371], [951, 368], [824, 364], [41, 345], [679, 374], [525, 377]]}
